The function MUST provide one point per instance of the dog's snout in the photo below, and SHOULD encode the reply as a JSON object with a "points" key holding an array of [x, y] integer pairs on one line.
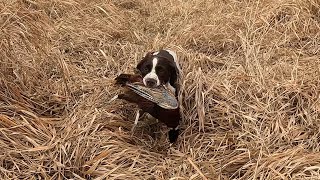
{"points": [[151, 82]]}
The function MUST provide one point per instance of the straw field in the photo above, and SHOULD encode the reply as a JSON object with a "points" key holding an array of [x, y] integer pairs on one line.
{"points": [[250, 89]]}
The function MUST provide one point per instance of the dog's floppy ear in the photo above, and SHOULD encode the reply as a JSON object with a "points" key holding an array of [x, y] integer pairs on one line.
{"points": [[146, 57], [174, 74], [174, 71]]}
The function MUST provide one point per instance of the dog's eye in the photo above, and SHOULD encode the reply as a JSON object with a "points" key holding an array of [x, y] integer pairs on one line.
{"points": [[146, 68], [160, 69]]}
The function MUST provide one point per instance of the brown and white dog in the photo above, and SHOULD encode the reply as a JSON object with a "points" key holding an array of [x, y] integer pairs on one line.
{"points": [[155, 69], [160, 68]]}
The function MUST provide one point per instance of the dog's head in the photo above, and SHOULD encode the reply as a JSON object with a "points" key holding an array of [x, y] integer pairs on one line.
{"points": [[158, 68]]}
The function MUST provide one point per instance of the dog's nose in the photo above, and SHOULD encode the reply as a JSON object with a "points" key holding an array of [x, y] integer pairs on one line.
{"points": [[151, 82]]}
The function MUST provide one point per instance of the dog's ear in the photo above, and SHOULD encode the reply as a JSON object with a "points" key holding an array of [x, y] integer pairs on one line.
{"points": [[146, 57], [174, 72]]}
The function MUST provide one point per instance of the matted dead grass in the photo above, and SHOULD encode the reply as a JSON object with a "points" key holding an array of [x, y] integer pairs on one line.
{"points": [[250, 94]]}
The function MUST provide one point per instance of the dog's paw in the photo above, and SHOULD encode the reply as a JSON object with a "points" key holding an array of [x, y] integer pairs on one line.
{"points": [[173, 135]]}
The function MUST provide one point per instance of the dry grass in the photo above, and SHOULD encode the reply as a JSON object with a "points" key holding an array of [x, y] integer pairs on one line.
{"points": [[250, 89]]}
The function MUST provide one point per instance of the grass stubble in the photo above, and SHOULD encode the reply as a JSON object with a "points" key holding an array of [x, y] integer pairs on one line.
{"points": [[249, 95]]}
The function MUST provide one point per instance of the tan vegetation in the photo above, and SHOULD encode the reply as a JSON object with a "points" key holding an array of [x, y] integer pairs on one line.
{"points": [[250, 94]]}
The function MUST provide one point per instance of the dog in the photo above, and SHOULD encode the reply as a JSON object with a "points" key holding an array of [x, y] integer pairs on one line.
{"points": [[155, 69], [160, 68]]}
